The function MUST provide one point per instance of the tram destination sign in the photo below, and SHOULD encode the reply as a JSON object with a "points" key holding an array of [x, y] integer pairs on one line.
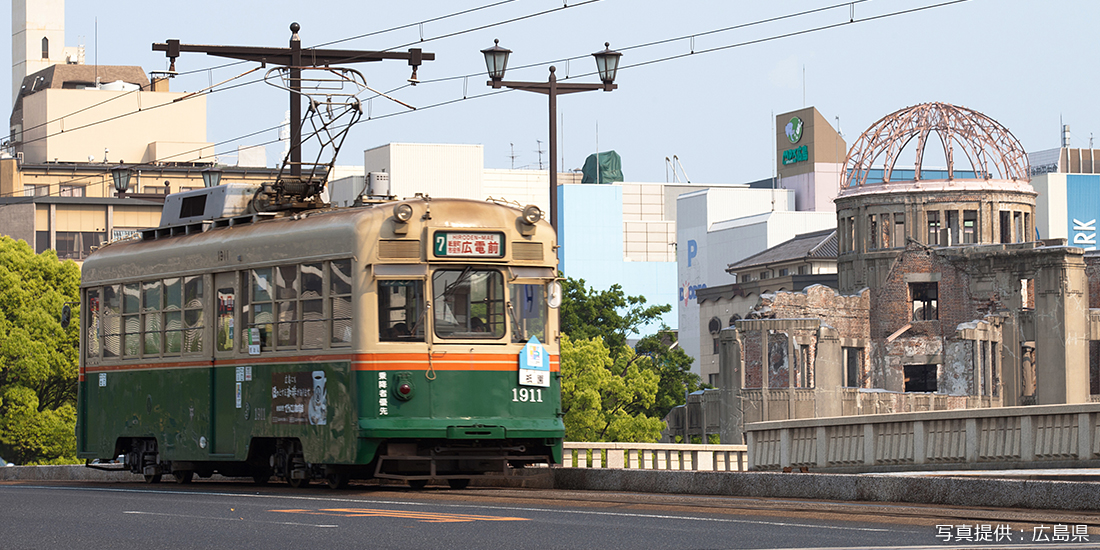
{"points": [[465, 244]]}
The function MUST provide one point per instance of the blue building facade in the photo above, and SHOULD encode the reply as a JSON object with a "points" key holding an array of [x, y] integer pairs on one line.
{"points": [[591, 247]]}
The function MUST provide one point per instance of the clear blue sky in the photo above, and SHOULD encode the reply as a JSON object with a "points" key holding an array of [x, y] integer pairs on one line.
{"points": [[1023, 63]]}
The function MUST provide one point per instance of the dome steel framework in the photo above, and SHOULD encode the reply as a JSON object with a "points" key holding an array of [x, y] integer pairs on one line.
{"points": [[993, 152]]}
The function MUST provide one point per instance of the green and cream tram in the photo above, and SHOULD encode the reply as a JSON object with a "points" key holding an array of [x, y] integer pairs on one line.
{"points": [[407, 340]]}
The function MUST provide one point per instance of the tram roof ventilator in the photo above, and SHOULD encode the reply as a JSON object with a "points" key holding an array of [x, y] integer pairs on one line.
{"points": [[198, 210]]}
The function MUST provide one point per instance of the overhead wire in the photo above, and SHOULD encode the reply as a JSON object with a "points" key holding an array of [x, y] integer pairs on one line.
{"points": [[234, 63], [151, 164], [666, 40], [418, 23], [851, 21]]}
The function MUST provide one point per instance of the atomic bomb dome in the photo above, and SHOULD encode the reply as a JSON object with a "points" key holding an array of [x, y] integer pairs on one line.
{"points": [[967, 184], [971, 146]]}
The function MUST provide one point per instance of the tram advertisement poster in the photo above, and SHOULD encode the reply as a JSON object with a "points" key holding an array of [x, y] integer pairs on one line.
{"points": [[299, 398]]}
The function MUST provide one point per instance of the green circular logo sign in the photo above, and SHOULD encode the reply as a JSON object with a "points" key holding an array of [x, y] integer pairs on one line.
{"points": [[794, 129]]}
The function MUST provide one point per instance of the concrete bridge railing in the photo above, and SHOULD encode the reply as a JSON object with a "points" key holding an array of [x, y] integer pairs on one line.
{"points": [[656, 456], [1049, 436]]}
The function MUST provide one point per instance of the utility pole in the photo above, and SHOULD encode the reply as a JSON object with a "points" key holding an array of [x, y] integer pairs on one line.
{"points": [[295, 59]]}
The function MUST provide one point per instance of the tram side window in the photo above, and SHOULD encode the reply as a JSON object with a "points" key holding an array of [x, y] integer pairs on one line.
{"points": [[131, 319], [112, 322], [192, 314], [340, 295], [150, 312], [173, 316], [225, 319], [528, 311], [468, 303], [261, 313], [286, 303], [400, 311], [313, 305], [91, 334]]}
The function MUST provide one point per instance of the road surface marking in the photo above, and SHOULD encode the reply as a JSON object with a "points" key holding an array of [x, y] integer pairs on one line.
{"points": [[138, 512], [427, 517]]}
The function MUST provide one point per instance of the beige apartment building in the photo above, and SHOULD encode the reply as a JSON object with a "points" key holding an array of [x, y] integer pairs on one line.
{"points": [[74, 207], [74, 127]]}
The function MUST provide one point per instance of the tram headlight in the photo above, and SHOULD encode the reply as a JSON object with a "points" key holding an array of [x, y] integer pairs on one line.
{"points": [[403, 212], [553, 294], [531, 214]]}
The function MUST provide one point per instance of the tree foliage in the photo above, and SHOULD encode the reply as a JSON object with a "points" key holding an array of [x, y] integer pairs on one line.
{"points": [[38, 358], [610, 314], [673, 368], [599, 393]]}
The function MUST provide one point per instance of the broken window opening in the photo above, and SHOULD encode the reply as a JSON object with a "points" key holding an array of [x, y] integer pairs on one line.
{"points": [[920, 378], [872, 244], [970, 226], [899, 230], [952, 238], [885, 226], [805, 373], [853, 364], [933, 227], [925, 297]]}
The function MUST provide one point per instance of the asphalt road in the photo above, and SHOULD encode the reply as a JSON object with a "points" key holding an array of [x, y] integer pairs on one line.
{"points": [[237, 515]]}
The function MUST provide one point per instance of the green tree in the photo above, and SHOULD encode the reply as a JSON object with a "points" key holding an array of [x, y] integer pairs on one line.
{"points": [[38, 358], [673, 367], [599, 393], [610, 314]]}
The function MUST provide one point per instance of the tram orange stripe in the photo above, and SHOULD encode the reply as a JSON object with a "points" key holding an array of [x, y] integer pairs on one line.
{"points": [[440, 361], [449, 360]]}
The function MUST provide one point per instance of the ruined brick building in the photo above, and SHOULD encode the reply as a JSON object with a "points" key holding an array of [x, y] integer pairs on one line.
{"points": [[946, 299]]}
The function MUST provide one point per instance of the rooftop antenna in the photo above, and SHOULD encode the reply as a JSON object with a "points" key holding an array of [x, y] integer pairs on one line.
{"points": [[775, 162], [540, 151], [96, 46], [598, 174], [513, 155], [561, 134], [675, 163]]}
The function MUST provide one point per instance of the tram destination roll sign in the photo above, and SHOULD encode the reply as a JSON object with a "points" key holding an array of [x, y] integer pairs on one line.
{"points": [[464, 244]]}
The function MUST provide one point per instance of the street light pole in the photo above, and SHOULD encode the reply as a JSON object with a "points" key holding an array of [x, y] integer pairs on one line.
{"points": [[607, 62]]}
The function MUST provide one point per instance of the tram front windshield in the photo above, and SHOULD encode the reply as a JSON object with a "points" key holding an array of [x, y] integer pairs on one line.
{"points": [[468, 303]]}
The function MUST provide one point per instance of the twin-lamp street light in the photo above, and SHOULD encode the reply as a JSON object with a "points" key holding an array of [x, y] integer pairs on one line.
{"points": [[607, 63]]}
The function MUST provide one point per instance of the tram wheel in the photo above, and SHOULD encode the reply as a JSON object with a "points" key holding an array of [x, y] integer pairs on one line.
{"points": [[152, 478], [337, 481], [184, 476], [458, 483], [418, 483], [297, 483]]}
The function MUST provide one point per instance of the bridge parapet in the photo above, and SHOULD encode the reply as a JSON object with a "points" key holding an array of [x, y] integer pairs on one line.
{"points": [[656, 456], [1048, 436]]}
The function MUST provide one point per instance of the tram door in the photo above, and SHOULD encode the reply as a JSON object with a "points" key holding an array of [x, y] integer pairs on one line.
{"points": [[227, 384]]}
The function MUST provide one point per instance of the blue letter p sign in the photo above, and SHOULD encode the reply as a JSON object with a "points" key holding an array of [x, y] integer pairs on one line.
{"points": [[693, 250]]}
